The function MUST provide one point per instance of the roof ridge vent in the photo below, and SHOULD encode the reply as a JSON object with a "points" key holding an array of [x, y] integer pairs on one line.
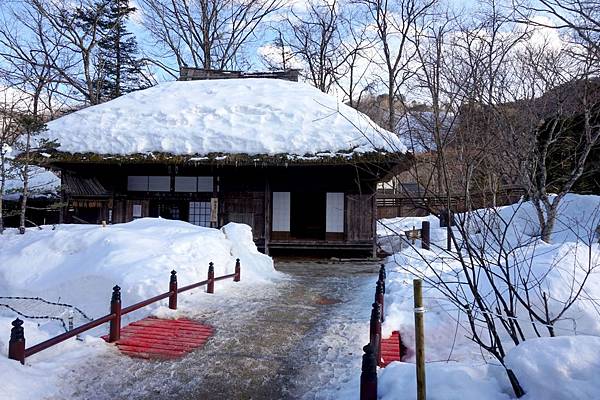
{"points": [[199, 74]]}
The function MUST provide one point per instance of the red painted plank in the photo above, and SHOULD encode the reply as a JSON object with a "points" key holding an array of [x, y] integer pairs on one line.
{"points": [[390, 349], [162, 338], [167, 328]]}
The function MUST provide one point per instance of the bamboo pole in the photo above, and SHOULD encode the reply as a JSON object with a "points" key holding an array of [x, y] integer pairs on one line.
{"points": [[419, 339]]}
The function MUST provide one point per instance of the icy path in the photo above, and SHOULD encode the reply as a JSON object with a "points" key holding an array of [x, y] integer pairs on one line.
{"points": [[272, 342]]}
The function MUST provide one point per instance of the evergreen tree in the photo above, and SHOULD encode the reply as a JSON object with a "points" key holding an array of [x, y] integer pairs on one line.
{"points": [[118, 51]]}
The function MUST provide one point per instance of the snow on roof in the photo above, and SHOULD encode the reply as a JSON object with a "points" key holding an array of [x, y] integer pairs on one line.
{"points": [[42, 183], [236, 116]]}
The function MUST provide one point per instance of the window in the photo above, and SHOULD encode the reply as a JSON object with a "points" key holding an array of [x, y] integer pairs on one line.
{"points": [[159, 183], [200, 213], [183, 184], [334, 221], [281, 211], [186, 184], [242, 218], [205, 184], [137, 183], [137, 211]]}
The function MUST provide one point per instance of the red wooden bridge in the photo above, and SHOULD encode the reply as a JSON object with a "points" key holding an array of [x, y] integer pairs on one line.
{"points": [[148, 338], [162, 338]]}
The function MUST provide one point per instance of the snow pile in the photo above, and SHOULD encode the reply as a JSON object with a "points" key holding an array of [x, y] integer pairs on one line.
{"points": [[38, 378], [391, 232], [560, 368], [445, 381], [235, 116], [554, 266], [79, 264]]}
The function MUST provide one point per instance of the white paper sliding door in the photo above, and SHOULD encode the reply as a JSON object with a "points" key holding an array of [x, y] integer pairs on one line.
{"points": [[334, 221], [281, 211]]}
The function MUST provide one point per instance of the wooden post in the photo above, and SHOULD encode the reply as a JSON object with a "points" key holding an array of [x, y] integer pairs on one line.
{"points": [[210, 286], [425, 235], [268, 217], [379, 298], [375, 331], [236, 278], [368, 376], [16, 344], [419, 339], [114, 333], [382, 277], [173, 290]]}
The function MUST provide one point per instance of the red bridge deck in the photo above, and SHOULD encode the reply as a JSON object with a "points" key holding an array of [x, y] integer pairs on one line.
{"points": [[391, 349], [162, 338]]}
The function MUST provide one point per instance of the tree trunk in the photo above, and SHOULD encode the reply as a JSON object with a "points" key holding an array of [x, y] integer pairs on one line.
{"points": [[548, 226], [25, 194]]}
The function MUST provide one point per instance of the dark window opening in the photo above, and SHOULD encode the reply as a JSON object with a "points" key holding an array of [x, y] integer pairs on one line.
{"points": [[168, 210], [307, 215]]}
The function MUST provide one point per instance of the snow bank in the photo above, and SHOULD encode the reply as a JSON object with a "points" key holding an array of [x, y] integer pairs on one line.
{"points": [[445, 381], [560, 368], [37, 379], [555, 266], [237, 116], [79, 264]]}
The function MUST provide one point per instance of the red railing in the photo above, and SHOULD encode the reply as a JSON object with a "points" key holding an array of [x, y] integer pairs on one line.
{"points": [[372, 351], [18, 352]]}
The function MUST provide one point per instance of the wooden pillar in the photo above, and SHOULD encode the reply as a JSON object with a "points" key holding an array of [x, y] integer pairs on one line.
{"points": [[419, 339], [210, 286], [374, 205], [368, 376], [173, 290], [115, 308], [425, 235], [16, 344], [237, 276], [267, 233]]}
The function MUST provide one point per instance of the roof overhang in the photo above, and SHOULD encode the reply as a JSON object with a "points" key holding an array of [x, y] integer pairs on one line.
{"points": [[382, 164]]}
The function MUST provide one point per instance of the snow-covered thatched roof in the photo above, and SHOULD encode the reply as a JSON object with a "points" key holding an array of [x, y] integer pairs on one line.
{"points": [[268, 117]]}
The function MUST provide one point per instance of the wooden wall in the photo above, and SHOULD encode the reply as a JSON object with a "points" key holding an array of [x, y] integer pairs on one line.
{"points": [[245, 193]]}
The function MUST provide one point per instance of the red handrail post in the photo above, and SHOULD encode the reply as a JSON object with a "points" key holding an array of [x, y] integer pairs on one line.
{"points": [[236, 278], [16, 345], [379, 298], [375, 331], [115, 308], [210, 286], [173, 290], [368, 376]]}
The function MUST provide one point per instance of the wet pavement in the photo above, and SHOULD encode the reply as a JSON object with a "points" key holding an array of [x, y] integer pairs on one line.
{"points": [[299, 338]]}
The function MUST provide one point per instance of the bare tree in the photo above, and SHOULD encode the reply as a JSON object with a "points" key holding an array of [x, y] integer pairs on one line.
{"points": [[208, 34], [9, 110], [574, 97], [395, 22], [315, 38]]}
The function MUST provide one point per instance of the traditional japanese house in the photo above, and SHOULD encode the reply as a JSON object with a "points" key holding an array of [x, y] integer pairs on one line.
{"points": [[296, 165]]}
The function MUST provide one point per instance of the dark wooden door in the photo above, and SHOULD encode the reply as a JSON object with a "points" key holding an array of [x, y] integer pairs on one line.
{"points": [[307, 215]]}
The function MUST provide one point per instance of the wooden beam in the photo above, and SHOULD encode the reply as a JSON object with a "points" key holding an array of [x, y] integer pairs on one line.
{"points": [[267, 215]]}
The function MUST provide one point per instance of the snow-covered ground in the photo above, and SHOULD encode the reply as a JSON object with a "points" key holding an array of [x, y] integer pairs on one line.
{"points": [[235, 116], [79, 265], [563, 367]]}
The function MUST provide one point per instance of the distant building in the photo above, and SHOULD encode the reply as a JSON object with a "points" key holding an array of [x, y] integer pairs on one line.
{"points": [[293, 163]]}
